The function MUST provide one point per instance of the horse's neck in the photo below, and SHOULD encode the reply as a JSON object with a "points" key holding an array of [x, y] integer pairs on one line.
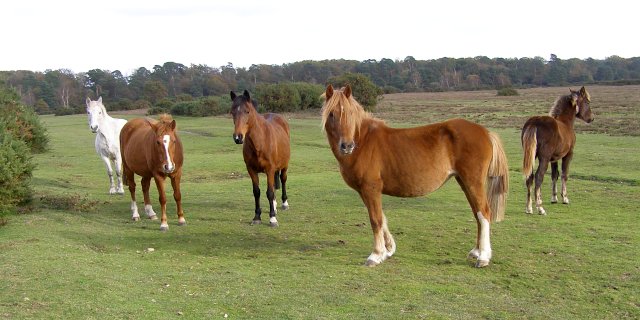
{"points": [[567, 119]]}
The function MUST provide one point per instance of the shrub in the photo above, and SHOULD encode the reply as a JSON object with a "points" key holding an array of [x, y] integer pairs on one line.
{"points": [[508, 92], [15, 171], [364, 90], [281, 97], [24, 124]]}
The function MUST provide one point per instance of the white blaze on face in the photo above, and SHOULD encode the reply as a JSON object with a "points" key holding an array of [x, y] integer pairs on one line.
{"points": [[166, 140]]}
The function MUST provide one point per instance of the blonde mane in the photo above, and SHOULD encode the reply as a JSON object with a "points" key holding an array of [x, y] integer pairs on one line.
{"points": [[350, 112]]}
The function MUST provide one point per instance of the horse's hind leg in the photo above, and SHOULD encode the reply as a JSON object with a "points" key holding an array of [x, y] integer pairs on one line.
{"points": [[271, 196], [256, 195], [146, 182], [542, 168], [119, 174], [554, 179], [529, 206], [107, 163], [283, 181], [131, 183]]}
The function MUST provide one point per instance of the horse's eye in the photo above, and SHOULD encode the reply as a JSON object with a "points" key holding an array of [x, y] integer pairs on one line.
{"points": [[158, 142]]}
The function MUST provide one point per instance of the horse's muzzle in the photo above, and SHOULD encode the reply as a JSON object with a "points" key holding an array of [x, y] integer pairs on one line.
{"points": [[93, 129], [347, 147], [237, 138]]}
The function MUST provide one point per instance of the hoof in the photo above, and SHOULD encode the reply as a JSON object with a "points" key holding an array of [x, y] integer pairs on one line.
{"points": [[182, 223], [554, 200], [371, 263], [285, 205], [164, 228], [528, 210], [255, 222], [565, 201], [482, 263], [473, 254], [120, 192], [135, 218], [542, 212], [153, 217], [274, 224]]}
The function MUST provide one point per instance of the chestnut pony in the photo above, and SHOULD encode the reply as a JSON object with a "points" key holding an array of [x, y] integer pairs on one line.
{"points": [[375, 159], [265, 149], [551, 138], [152, 149]]}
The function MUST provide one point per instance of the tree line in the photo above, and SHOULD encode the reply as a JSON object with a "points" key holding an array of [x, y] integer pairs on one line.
{"points": [[63, 92]]}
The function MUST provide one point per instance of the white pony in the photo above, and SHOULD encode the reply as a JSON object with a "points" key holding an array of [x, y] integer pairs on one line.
{"points": [[107, 131]]}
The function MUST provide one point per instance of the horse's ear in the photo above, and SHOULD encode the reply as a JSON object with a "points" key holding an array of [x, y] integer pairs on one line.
{"points": [[100, 99], [329, 92], [347, 91], [233, 95], [173, 125], [246, 94]]}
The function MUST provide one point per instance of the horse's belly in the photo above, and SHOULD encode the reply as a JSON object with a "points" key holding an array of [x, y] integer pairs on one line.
{"points": [[413, 185]]}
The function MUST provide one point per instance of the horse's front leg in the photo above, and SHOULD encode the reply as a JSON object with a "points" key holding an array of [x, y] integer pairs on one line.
{"points": [[542, 168], [271, 196], [177, 196], [146, 183], [554, 179], [164, 226], [565, 176], [256, 195], [383, 244], [107, 163]]}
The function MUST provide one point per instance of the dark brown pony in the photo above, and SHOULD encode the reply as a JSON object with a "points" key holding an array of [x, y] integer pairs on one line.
{"points": [[265, 150], [551, 138], [152, 149], [375, 159]]}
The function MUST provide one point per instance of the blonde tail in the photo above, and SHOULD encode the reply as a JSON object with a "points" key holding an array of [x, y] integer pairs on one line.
{"points": [[529, 142], [497, 179]]}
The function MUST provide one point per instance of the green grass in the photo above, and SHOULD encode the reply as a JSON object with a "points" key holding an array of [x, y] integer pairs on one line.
{"points": [[75, 254]]}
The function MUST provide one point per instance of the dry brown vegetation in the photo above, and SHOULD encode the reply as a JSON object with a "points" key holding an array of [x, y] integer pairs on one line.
{"points": [[616, 108]]}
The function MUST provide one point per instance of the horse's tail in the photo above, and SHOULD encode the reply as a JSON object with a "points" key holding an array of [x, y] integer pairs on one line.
{"points": [[276, 183], [529, 142], [497, 179]]}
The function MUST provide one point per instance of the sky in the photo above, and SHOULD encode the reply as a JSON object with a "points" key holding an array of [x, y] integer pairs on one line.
{"points": [[125, 35]]}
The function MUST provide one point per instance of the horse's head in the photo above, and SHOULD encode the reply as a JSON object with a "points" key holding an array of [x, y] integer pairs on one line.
{"points": [[341, 118], [96, 112], [581, 100], [242, 110], [166, 142]]}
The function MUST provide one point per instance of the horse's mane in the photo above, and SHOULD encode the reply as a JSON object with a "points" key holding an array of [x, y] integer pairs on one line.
{"points": [[560, 105], [348, 108], [564, 102], [252, 102]]}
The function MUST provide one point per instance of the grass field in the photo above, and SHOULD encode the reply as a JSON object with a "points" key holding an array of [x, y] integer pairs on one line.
{"points": [[75, 253]]}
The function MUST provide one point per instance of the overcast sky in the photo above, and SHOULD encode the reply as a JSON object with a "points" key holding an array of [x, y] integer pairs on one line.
{"points": [[125, 35]]}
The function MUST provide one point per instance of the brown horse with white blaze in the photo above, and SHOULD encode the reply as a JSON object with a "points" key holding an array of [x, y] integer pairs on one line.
{"points": [[152, 149], [551, 138], [265, 149], [375, 159]]}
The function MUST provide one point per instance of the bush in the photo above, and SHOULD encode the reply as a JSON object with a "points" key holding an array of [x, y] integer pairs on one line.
{"points": [[281, 97], [24, 124], [364, 90], [508, 92], [15, 171]]}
